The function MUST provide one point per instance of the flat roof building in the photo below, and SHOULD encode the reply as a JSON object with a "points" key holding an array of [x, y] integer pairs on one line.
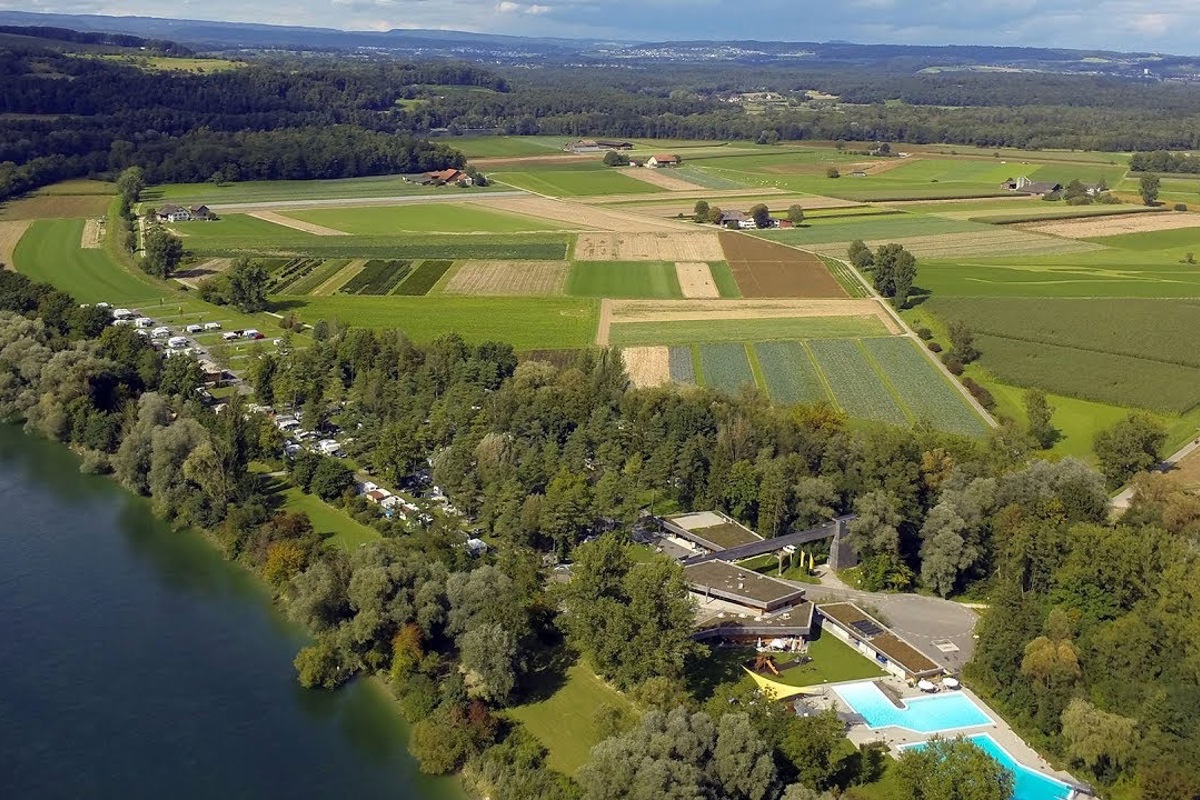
{"points": [[875, 640], [711, 530], [741, 586]]}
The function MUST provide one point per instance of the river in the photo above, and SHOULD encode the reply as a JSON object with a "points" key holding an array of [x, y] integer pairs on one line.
{"points": [[135, 662]]}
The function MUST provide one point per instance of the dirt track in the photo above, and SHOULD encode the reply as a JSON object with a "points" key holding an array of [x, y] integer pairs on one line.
{"points": [[296, 224], [93, 231], [11, 233]]}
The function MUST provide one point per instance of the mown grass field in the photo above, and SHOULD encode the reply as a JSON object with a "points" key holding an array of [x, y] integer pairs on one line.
{"points": [[499, 146], [431, 218], [49, 251], [892, 226], [528, 323], [631, 334], [574, 180], [273, 191], [622, 279], [565, 721]]}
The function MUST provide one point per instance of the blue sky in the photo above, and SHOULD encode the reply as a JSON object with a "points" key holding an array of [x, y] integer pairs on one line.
{"points": [[1152, 25]]}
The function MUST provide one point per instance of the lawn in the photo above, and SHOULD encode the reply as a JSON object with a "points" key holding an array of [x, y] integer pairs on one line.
{"points": [[832, 661], [564, 722], [500, 146], [49, 251], [574, 180], [636, 279], [528, 323], [344, 532], [630, 334], [423, 218], [273, 191]]}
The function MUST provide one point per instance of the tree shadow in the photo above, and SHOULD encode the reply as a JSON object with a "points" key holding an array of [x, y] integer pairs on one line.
{"points": [[286, 305], [547, 672], [719, 666], [917, 295]]}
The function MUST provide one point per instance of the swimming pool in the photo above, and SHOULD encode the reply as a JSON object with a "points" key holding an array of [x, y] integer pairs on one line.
{"points": [[1028, 784], [945, 712]]}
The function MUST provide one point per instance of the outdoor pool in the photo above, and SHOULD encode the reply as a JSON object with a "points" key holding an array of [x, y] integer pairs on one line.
{"points": [[1028, 784], [944, 712]]}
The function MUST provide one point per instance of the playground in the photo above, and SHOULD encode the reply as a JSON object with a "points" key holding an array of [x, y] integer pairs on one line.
{"points": [[822, 660]]}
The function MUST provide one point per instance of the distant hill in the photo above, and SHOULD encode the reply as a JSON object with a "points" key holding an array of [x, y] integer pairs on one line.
{"points": [[101, 39]]}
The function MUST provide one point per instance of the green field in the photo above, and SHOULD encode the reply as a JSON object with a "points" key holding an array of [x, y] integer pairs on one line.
{"points": [[526, 323], [883, 227], [574, 180], [683, 365], [644, 279], [344, 532], [424, 277], [500, 146], [925, 394], [274, 191], [423, 218], [726, 366], [790, 374], [1153, 240], [565, 722], [377, 278], [857, 386], [723, 277], [49, 251], [630, 334]]}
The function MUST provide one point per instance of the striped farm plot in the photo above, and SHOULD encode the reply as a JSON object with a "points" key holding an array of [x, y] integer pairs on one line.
{"points": [[662, 246], [1118, 225], [663, 179], [296, 224], [733, 199], [377, 277], [696, 279], [726, 366], [583, 217], [682, 365], [512, 278], [1005, 241], [857, 387], [648, 366], [921, 388], [790, 374]]}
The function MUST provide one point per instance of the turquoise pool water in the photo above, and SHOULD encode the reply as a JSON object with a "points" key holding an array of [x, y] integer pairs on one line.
{"points": [[944, 712], [1028, 784]]}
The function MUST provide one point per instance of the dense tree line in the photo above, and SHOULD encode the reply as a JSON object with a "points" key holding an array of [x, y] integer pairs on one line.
{"points": [[1093, 626]]}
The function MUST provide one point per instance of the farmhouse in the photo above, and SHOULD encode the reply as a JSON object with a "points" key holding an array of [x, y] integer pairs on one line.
{"points": [[596, 145], [1026, 186], [662, 160], [873, 639], [732, 219], [201, 212], [448, 176], [173, 213]]}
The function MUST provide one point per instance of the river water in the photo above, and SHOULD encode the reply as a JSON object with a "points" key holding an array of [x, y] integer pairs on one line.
{"points": [[136, 663]]}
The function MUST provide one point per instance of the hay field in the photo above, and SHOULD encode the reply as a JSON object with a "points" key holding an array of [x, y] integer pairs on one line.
{"points": [[11, 232], [690, 246], [661, 178], [55, 206], [509, 278], [1117, 225], [992, 243], [647, 366], [696, 280], [296, 224], [583, 217], [93, 233]]}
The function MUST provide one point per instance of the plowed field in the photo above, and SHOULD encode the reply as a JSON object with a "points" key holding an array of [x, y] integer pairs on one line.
{"points": [[766, 269]]}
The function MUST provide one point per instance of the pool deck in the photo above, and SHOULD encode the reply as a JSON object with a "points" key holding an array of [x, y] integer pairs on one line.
{"points": [[897, 738]]}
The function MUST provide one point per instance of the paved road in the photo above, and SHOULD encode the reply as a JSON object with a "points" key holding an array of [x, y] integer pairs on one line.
{"points": [[919, 619], [1125, 496], [266, 205]]}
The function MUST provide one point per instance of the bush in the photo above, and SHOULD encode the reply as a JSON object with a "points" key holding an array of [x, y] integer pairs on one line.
{"points": [[934, 347], [1181, 207], [980, 394], [95, 462], [832, 172], [954, 365], [925, 334]]}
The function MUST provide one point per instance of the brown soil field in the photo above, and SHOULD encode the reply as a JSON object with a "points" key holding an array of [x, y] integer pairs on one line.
{"points": [[690, 246], [662, 178], [296, 224], [50, 206], [1009, 240], [93, 232], [340, 278], [522, 278], [581, 216], [767, 269], [11, 232], [882, 165], [647, 366], [614, 312], [695, 279], [1116, 226]]}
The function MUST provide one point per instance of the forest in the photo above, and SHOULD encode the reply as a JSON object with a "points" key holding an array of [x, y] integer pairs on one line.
{"points": [[1094, 626]]}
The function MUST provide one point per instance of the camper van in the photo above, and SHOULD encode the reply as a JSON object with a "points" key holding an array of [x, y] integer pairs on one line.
{"points": [[177, 342], [193, 328], [144, 322]]}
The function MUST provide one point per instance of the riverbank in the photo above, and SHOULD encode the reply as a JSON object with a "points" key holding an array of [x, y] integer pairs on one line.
{"points": [[146, 664]]}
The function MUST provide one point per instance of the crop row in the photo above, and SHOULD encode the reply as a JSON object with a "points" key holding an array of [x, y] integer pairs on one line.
{"points": [[922, 388], [377, 277], [856, 385], [726, 366], [845, 276], [424, 277], [789, 373], [683, 369], [531, 248], [293, 270], [329, 267]]}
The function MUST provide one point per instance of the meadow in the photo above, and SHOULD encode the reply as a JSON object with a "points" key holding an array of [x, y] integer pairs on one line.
{"points": [[577, 179], [418, 218], [49, 251], [526, 323], [634, 279], [275, 191]]}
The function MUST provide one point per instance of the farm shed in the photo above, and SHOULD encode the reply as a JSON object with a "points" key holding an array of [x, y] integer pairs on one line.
{"points": [[663, 160]]}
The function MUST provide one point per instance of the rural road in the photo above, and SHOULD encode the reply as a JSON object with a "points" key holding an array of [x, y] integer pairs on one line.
{"points": [[1123, 498], [275, 205], [921, 620]]}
